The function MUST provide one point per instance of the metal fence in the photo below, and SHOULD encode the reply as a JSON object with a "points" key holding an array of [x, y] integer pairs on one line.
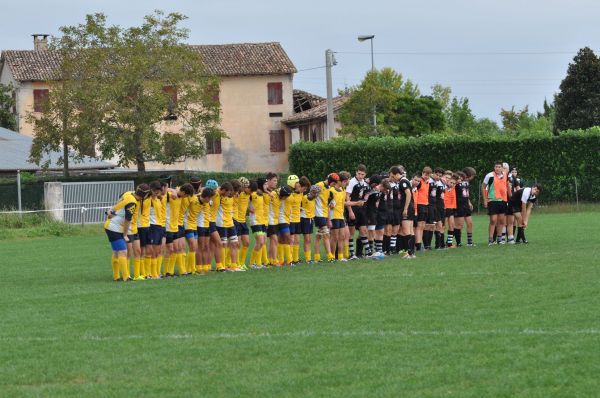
{"points": [[85, 202]]}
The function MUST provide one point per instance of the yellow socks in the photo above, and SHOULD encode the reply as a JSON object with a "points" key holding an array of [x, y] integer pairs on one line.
{"points": [[115, 268], [317, 256], [136, 267], [264, 255], [191, 262], [346, 251], [308, 255], [159, 261], [330, 256], [180, 261], [287, 250], [124, 267], [226, 257], [207, 268], [242, 255], [220, 266], [296, 253], [170, 269]]}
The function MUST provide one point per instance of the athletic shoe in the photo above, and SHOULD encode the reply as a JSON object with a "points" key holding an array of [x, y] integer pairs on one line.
{"points": [[344, 260], [525, 241], [254, 266], [139, 278], [502, 242], [490, 243], [413, 256], [511, 242], [406, 256], [378, 256], [353, 258], [243, 267], [470, 244], [310, 262]]}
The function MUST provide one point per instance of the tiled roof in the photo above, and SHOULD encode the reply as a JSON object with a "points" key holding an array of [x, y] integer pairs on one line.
{"points": [[318, 112], [14, 155], [220, 59]]}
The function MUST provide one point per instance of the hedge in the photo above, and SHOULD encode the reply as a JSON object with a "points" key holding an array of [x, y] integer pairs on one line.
{"points": [[554, 161], [32, 187]]}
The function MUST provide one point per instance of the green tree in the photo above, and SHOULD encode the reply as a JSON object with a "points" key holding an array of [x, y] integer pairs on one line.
{"points": [[380, 89], [149, 97], [417, 116], [524, 124], [442, 94], [7, 102], [459, 116], [485, 126], [578, 101]]}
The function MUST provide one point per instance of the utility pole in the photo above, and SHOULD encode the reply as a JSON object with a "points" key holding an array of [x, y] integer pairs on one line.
{"points": [[329, 62]]}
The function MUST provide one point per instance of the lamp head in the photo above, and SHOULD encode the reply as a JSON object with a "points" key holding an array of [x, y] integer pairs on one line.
{"points": [[362, 38]]}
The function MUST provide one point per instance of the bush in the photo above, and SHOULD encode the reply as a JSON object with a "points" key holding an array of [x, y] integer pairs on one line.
{"points": [[553, 161]]}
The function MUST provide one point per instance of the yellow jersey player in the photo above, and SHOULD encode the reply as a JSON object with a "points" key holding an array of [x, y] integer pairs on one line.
{"points": [[239, 220], [157, 219], [298, 186], [225, 225], [174, 233], [258, 222], [307, 216], [117, 225], [336, 206], [284, 253], [322, 220], [272, 205], [203, 253], [215, 239]]}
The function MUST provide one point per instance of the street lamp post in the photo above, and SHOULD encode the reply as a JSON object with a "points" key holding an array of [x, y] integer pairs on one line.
{"points": [[370, 38]]}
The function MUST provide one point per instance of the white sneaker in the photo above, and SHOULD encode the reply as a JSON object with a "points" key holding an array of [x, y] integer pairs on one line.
{"points": [[344, 260], [378, 256], [353, 258]]}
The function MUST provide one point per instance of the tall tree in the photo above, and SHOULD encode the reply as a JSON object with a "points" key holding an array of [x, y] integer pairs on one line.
{"points": [[417, 116], [7, 102], [459, 116], [578, 101], [380, 89]]}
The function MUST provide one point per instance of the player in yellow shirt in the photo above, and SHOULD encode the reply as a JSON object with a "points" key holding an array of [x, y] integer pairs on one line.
{"points": [[157, 219], [237, 189], [284, 251], [239, 219], [203, 256], [117, 226], [258, 222], [322, 220], [175, 240], [298, 186], [337, 206], [307, 215], [272, 204], [215, 239], [226, 227], [141, 268], [191, 230]]}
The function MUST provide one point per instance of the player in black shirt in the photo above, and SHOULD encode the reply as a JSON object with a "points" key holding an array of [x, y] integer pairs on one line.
{"points": [[464, 207], [404, 206], [521, 203], [357, 191], [377, 212], [440, 189]]}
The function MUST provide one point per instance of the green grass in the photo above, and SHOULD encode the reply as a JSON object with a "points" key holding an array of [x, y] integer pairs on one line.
{"points": [[475, 322], [38, 225]]}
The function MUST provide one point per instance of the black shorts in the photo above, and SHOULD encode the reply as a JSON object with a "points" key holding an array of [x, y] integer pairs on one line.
{"points": [[212, 227], [440, 211], [321, 221], [171, 236], [410, 214], [307, 226], [180, 232], [422, 213], [272, 230], [259, 229], [449, 213], [496, 207], [372, 218], [144, 233], [349, 222], [203, 232], [227, 233], [463, 211], [133, 237], [513, 208], [382, 218], [338, 224], [295, 228], [395, 217], [241, 228], [360, 214], [157, 232]]}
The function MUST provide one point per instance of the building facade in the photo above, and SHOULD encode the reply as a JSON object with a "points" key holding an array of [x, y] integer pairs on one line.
{"points": [[255, 93]]}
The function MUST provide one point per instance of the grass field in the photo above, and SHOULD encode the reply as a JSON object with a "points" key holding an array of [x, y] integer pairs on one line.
{"points": [[472, 322]]}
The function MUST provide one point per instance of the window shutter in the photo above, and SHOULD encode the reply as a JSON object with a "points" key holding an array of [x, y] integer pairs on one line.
{"points": [[275, 91], [213, 146], [40, 97], [277, 140]]}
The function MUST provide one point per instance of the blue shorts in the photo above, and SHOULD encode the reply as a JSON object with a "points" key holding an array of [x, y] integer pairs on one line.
{"points": [[156, 234], [212, 227], [227, 233], [144, 233], [379, 227], [241, 228], [283, 228], [321, 221], [117, 242], [307, 226], [191, 234], [337, 224], [295, 228], [203, 232]]}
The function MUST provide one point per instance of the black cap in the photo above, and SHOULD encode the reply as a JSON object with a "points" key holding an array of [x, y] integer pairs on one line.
{"points": [[285, 191]]}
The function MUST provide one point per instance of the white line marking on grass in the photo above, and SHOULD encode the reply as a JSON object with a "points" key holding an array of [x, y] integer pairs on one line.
{"points": [[308, 333]]}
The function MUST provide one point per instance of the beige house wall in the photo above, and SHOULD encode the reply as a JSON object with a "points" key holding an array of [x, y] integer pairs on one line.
{"points": [[245, 119]]}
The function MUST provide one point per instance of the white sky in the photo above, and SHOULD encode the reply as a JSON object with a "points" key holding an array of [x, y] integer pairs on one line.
{"points": [[306, 28]]}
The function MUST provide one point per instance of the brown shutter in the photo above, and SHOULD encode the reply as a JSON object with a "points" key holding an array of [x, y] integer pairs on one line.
{"points": [[40, 97], [213, 146], [277, 140], [275, 91]]}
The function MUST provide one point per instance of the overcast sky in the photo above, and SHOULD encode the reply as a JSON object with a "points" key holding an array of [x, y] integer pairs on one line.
{"points": [[496, 53]]}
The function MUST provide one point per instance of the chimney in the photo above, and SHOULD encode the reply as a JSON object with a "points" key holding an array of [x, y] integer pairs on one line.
{"points": [[40, 41]]}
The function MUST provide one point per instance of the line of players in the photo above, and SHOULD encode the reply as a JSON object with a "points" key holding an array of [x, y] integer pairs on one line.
{"points": [[191, 226]]}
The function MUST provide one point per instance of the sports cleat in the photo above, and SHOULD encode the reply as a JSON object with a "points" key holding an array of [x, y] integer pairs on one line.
{"points": [[490, 243], [344, 260], [525, 241], [406, 256], [254, 266], [471, 245], [353, 258], [139, 278], [243, 267], [378, 256], [511, 242], [502, 242]]}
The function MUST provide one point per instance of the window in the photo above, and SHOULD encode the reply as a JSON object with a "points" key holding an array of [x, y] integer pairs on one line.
{"points": [[275, 114], [40, 97], [275, 93], [213, 145], [277, 140], [172, 92]]}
